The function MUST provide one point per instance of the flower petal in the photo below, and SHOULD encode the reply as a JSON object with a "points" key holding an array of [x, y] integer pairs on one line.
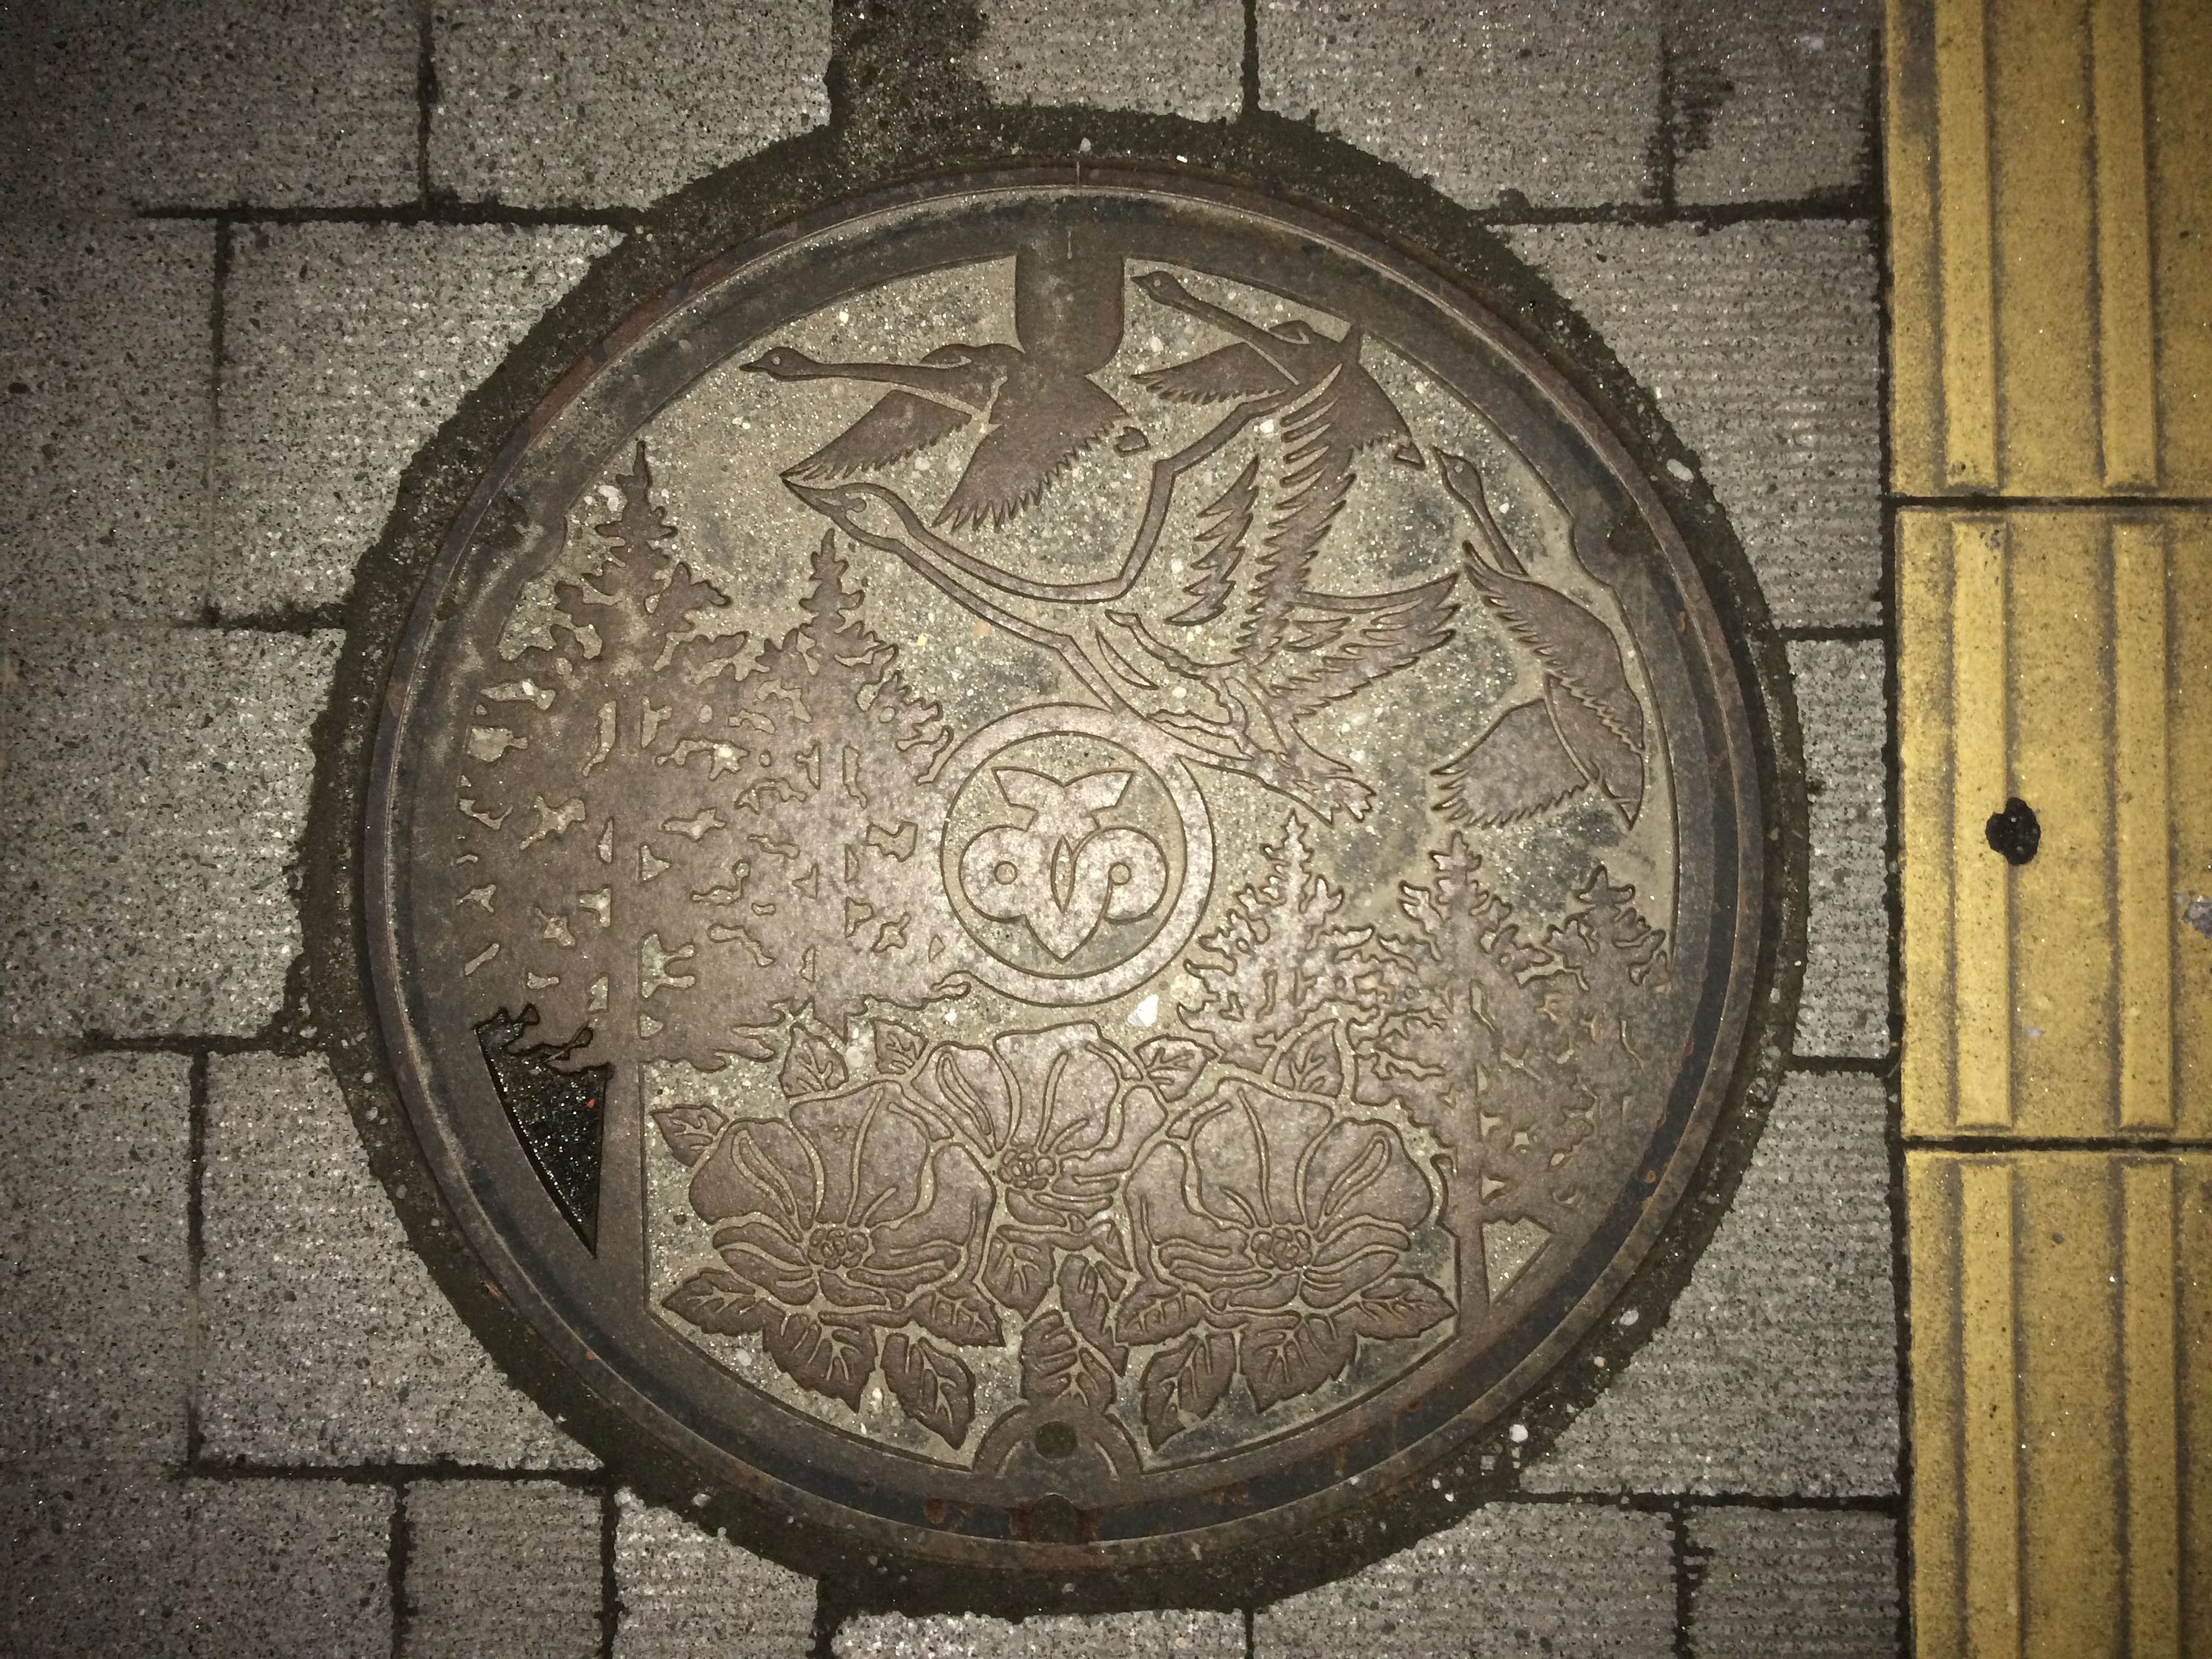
{"points": [[966, 1087], [1057, 1075], [1213, 1270], [1248, 1147], [792, 1287], [759, 1168], [904, 1274], [1137, 1114], [1075, 1110], [1326, 1286], [1361, 1169], [872, 1151], [769, 1239], [1047, 1210], [1160, 1209], [952, 1209], [841, 1291], [1259, 1294]]}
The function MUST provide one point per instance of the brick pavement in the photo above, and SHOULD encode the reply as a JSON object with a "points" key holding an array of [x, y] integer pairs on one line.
{"points": [[251, 256]]}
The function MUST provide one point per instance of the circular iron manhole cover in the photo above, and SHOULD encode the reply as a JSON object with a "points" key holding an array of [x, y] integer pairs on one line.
{"points": [[1053, 866]]}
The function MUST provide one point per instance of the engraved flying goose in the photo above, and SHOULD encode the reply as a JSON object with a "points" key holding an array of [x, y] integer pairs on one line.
{"points": [[1586, 729], [1294, 648], [1036, 402], [1284, 358], [1288, 647]]}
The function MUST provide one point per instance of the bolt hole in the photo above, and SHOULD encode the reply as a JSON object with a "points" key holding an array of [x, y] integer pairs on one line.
{"points": [[2014, 832], [1053, 1520], [1054, 1440]]}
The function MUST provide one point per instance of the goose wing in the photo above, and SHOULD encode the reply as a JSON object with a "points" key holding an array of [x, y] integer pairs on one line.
{"points": [[1575, 648], [1224, 523], [1039, 422], [1233, 371], [1615, 761], [1364, 415], [1515, 770], [1349, 648], [902, 423], [1314, 476]]}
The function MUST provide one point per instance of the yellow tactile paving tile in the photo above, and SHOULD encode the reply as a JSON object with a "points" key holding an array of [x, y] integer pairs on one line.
{"points": [[2062, 1404], [2050, 247], [2063, 657]]}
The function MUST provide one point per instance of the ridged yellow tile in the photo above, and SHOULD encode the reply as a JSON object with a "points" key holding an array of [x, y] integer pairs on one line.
{"points": [[2189, 795], [2050, 247], [2063, 657], [2061, 746], [2062, 1364], [2177, 45]]}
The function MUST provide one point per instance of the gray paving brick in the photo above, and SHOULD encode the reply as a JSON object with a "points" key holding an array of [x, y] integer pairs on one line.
{"points": [[285, 1568], [1165, 56], [326, 1340], [497, 1567], [106, 359], [1776, 1370], [1510, 1580], [157, 782], [1557, 100], [587, 102], [278, 103], [346, 346], [1782, 1584], [94, 1563], [1772, 102], [1842, 707], [94, 1163], [1097, 1636], [685, 1592], [1762, 344]]}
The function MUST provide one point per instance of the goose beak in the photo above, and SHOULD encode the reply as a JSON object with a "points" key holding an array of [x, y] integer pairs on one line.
{"points": [[1162, 286], [1407, 454], [867, 513], [781, 362], [825, 501], [1463, 480]]}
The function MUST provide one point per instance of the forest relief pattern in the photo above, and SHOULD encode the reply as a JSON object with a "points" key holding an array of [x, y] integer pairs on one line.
{"points": [[679, 844]]}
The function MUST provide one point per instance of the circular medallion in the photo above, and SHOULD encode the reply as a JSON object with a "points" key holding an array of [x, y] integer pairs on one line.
{"points": [[1063, 864], [1077, 853]]}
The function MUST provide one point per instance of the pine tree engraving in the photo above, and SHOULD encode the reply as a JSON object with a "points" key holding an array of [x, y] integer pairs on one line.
{"points": [[1519, 1053], [697, 853], [1522, 1054], [1280, 963], [826, 893], [569, 845]]}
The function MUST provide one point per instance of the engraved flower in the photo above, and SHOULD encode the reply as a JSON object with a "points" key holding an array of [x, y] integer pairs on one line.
{"points": [[1287, 1223], [1282, 1201], [846, 1216], [1058, 1115]]}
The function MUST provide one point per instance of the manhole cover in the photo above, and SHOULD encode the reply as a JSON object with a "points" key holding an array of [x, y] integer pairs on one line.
{"points": [[1057, 866]]}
